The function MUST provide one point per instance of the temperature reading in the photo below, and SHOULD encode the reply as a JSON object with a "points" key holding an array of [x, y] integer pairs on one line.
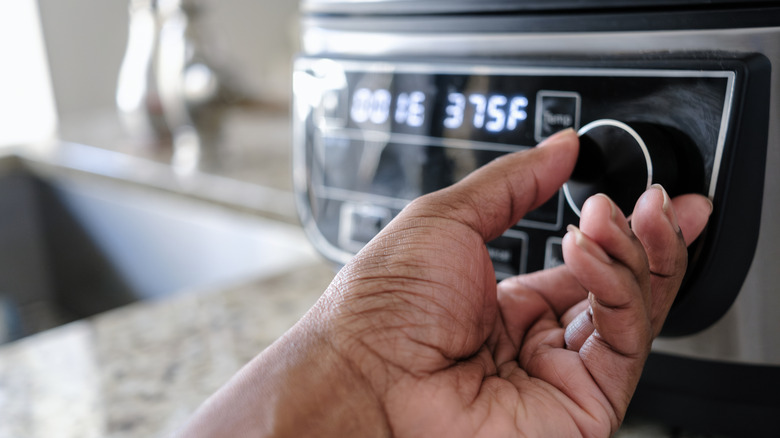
{"points": [[495, 113]]}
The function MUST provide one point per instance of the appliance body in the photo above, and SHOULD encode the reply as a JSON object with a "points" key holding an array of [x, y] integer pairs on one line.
{"points": [[408, 97]]}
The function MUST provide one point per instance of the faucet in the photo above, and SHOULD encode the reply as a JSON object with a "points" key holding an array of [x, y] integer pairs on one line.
{"points": [[168, 90]]}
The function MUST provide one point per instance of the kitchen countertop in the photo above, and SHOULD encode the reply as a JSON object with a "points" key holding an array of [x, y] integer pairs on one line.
{"points": [[141, 370]]}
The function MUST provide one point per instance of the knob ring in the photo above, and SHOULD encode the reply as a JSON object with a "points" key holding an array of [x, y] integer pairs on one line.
{"points": [[639, 141]]}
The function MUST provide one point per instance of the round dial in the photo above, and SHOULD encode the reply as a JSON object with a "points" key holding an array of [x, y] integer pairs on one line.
{"points": [[621, 160]]}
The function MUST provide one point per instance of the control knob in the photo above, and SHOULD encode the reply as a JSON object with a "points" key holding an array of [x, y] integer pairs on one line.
{"points": [[622, 160]]}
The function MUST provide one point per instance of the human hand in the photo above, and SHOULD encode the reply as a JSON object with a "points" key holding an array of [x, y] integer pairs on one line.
{"points": [[414, 337]]}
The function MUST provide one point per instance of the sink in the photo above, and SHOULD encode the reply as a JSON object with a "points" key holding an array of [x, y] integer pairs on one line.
{"points": [[73, 245]]}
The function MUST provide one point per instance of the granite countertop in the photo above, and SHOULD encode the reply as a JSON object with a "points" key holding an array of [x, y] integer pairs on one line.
{"points": [[141, 370]]}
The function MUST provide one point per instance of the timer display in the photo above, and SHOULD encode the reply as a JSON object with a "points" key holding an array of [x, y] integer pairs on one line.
{"points": [[374, 106], [494, 113], [488, 108]]}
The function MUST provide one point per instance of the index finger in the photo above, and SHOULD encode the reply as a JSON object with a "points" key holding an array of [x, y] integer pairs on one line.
{"points": [[496, 196]]}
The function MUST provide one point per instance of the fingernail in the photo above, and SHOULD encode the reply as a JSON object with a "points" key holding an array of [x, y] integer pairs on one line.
{"points": [[712, 207], [667, 207], [587, 245], [591, 301], [556, 136], [613, 210]]}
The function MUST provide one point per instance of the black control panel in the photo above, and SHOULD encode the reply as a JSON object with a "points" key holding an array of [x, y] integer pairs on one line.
{"points": [[372, 136]]}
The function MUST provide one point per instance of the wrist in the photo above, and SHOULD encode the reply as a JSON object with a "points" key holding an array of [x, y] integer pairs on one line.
{"points": [[299, 386], [319, 392]]}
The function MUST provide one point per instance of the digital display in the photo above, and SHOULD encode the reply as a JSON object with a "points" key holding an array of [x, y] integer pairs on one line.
{"points": [[494, 112], [487, 108]]}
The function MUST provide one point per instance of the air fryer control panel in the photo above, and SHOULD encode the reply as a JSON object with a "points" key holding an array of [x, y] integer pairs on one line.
{"points": [[372, 136]]}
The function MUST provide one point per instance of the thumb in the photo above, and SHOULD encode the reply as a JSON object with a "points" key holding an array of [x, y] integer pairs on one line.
{"points": [[496, 196]]}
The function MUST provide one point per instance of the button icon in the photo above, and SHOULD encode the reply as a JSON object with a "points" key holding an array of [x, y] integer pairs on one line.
{"points": [[549, 216], [556, 111], [359, 223], [553, 255]]}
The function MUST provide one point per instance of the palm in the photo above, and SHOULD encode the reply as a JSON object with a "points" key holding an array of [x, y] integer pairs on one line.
{"points": [[471, 361], [522, 377]]}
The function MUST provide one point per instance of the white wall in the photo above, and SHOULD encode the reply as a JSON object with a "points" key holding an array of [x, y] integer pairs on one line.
{"points": [[27, 112]]}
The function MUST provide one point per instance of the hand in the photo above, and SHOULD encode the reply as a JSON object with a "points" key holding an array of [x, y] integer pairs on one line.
{"points": [[414, 337]]}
